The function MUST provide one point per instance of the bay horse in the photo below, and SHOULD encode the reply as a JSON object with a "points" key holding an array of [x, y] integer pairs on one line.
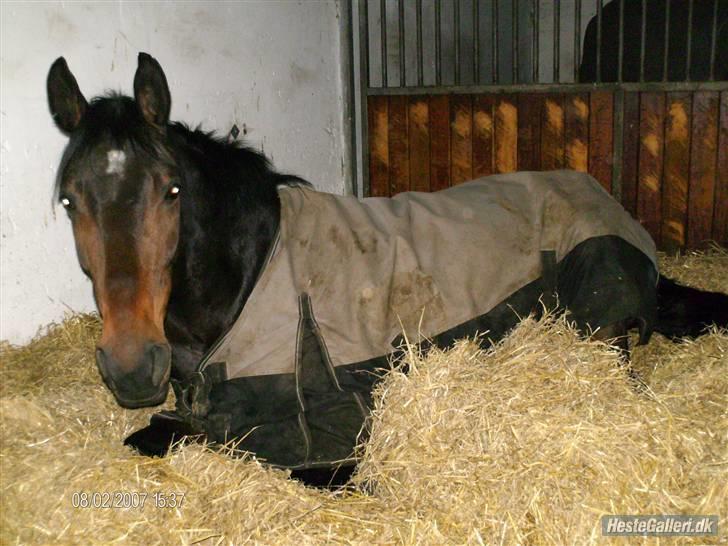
{"points": [[174, 226], [171, 225]]}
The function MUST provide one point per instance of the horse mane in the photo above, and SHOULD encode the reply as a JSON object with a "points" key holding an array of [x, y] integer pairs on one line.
{"points": [[250, 163]]}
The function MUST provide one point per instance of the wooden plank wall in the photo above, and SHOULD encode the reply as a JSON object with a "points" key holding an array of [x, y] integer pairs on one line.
{"points": [[674, 149]]}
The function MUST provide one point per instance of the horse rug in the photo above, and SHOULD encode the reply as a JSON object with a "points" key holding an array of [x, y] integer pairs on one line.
{"points": [[347, 280]]}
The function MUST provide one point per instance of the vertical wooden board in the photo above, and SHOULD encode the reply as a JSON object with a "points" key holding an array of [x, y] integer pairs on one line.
{"points": [[630, 151], [552, 132], [601, 127], [461, 143], [576, 132], [720, 208], [652, 113], [419, 144], [439, 111], [676, 171], [482, 135], [529, 131], [378, 119], [703, 159], [506, 134], [398, 145]]}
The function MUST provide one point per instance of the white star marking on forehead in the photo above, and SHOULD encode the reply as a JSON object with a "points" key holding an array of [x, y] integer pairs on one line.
{"points": [[116, 159]]}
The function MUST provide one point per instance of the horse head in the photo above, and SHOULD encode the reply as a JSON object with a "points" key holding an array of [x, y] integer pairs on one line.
{"points": [[120, 187]]}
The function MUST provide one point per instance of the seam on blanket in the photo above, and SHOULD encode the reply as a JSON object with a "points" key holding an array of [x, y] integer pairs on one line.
{"points": [[299, 391], [321, 342], [327, 358]]}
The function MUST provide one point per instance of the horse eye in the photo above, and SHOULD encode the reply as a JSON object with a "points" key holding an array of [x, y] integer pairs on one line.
{"points": [[66, 202], [173, 191]]}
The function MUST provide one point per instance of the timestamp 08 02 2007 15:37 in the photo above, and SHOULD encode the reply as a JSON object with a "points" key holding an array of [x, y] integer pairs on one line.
{"points": [[127, 499]]}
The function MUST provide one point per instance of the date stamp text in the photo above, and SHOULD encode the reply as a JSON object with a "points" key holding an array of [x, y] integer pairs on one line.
{"points": [[124, 500]]}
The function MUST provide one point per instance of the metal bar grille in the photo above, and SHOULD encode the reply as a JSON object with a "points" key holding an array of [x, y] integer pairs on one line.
{"points": [[494, 41], [577, 37], [514, 38], [456, 25], [713, 38], [420, 67], [620, 62], [400, 34], [667, 41], [557, 40], [643, 40], [624, 40], [438, 44], [535, 21], [383, 30], [690, 41], [361, 84], [599, 41], [476, 41]]}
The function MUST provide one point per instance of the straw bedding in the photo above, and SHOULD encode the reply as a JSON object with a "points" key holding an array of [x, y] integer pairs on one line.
{"points": [[528, 442]]}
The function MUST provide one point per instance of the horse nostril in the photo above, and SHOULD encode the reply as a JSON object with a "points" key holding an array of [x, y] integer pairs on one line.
{"points": [[160, 357]]}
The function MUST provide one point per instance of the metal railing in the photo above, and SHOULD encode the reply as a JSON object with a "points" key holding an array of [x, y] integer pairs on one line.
{"points": [[464, 43]]}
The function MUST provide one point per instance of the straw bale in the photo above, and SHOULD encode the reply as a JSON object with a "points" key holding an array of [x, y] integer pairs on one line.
{"points": [[530, 441]]}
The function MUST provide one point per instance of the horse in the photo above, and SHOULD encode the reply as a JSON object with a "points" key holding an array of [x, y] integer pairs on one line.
{"points": [[176, 229], [708, 24]]}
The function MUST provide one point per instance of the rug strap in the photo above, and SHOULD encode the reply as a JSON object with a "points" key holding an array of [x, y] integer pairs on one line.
{"points": [[549, 277], [193, 396]]}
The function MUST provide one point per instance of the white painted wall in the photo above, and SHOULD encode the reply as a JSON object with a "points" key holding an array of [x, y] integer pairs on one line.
{"points": [[271, 66]]}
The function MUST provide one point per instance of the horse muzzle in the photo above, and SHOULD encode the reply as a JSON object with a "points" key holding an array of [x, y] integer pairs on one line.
{"points": [[146, 384]]}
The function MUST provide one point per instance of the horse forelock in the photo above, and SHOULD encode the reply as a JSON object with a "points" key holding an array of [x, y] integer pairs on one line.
{"points": [[114, 122]]}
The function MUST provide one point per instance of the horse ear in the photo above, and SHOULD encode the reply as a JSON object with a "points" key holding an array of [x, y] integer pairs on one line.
{"points": [[65, 99], [151, 91]]}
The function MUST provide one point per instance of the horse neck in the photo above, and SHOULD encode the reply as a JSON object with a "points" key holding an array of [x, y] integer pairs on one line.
{"points": [[228, 222]]}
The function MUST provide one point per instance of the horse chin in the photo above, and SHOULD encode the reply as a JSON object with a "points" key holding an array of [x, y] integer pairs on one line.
{"points": [[136, 403]]}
